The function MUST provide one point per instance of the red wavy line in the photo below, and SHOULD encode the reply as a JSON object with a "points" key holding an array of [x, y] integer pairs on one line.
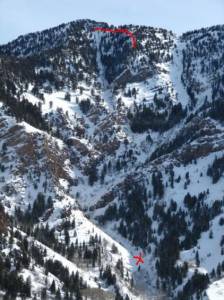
{"points": [[119, 30]]}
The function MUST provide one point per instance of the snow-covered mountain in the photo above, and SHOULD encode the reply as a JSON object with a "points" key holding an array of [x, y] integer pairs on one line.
{"points": [[108, 151]]}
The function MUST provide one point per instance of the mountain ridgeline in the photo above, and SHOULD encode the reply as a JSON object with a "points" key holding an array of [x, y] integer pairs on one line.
{"points": [[106, 151]]}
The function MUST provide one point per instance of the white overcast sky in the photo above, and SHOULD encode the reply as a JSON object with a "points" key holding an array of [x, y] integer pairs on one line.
{"points": [[22, 16]]}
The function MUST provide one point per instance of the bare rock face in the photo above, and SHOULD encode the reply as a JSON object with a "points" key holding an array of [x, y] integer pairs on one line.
{"points": [[128, 76], [104, 201], [3, 221], [78, 145]]}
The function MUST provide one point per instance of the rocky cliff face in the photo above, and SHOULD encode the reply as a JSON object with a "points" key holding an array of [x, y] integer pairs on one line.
{"points": [[109, 150]]}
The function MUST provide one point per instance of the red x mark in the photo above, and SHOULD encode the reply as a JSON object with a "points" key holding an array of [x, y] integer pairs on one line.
{"points": [[139, 259]]}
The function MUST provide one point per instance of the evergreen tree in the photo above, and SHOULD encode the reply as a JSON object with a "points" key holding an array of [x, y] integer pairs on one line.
{"points": [[67, 96], [53, 287]]}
